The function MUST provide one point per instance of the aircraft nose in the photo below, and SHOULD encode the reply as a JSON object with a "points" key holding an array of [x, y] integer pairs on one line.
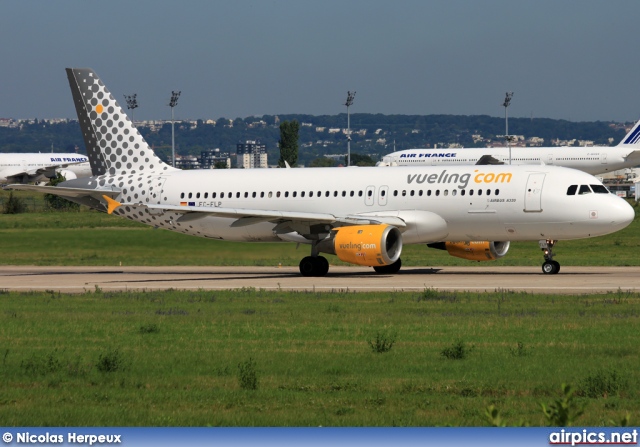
{"points": [[622, 214]]}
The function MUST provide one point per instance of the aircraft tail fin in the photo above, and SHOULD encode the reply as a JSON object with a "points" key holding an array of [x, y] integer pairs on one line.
{"points": [[114, 145], [633, 137]]}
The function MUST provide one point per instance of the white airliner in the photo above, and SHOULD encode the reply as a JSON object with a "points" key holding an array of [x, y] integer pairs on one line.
{"points": [[594, 160], [29, 167], [362, 215]]}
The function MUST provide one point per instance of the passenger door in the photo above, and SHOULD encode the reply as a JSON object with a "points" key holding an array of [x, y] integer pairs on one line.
{"points": [[533, 193]]}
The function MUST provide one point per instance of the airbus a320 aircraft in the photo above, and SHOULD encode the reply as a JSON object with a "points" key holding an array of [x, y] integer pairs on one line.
{"points": [[594, 160], [30, 167], [362, 215]]}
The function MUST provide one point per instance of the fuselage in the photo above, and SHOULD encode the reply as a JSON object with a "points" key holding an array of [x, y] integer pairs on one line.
{"points": [[37, 167], [476, 202], [593, 160]]}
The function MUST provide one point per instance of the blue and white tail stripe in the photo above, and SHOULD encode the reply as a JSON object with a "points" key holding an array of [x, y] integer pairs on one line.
{"points": [[632, 137]]}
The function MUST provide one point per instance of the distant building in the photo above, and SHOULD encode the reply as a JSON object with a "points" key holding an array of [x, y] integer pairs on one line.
{"points": [[252, 154], [187, 162], [211, 157]]}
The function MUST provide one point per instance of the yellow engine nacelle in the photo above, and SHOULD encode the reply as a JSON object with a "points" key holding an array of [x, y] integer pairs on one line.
{"points": [[370, 245], [474, 250]]}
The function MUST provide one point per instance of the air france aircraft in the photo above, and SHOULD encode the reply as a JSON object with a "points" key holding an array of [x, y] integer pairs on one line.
{"points": [[362, 215], [28, 168], [593, 160]]}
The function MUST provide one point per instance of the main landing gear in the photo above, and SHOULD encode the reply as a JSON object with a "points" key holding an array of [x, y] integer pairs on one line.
{"points": [[314, 266], [549, 267]]}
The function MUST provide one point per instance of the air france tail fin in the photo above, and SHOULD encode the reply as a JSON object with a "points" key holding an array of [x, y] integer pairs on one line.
{"points": [[633, 137], [114, 145]]}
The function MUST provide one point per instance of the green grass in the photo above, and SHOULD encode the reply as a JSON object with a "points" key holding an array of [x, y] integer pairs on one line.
{"points": [[256, 358], [92, 238]]}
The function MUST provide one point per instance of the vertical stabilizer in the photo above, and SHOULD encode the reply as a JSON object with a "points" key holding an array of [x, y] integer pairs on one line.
{"points": [[633, 137], [114, 145]]}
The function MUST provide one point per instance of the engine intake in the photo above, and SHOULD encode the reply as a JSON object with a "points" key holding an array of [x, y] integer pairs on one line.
{"points": [[474, 250], [369, 245]]}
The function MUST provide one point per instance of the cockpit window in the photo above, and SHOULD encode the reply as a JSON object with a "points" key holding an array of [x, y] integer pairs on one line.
{"points": [[571, 191], [599, 189], [584, 189]]}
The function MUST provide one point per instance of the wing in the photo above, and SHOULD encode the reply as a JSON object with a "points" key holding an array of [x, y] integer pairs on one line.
{"points": [[246, 216]]}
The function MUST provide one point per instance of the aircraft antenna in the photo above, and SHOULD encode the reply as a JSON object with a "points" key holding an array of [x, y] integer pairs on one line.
{"points": [[350, 98], [132, 103], [172, 103]]}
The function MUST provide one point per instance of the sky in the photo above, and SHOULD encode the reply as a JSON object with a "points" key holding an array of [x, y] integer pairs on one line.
{"points": [[563, 59]]}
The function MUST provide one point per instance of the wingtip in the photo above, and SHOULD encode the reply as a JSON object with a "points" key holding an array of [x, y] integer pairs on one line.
{"points": [[111, 204]]}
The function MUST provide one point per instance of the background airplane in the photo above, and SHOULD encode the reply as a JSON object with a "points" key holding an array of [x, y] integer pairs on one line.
{"points": [[30, 168], [594, 159], [362, 215]]}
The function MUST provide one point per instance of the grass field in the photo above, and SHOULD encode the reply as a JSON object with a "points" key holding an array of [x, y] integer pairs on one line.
{"points": [[256, 358], [92, 238]]}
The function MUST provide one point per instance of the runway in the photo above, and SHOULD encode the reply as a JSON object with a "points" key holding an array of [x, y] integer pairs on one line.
{"points": [[571, 280]]}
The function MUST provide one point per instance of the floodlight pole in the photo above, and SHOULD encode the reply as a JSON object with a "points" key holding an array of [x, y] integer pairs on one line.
{"points": [[132, 104], [507, 101], [350, 97], [172, 103]]}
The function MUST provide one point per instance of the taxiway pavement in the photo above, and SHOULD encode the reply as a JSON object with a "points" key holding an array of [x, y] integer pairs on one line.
{"points": [[530, 279]]}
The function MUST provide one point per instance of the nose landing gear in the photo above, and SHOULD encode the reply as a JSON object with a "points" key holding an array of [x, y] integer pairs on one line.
{"points": [[549, 267]]}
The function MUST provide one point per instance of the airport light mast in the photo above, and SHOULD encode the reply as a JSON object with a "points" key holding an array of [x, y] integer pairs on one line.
{"points": [[350, 98], [132, 104], [172, 103], [507, 137]]}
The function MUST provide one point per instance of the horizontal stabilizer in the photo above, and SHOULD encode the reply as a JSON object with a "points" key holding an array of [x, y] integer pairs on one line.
{"points": [[66, 192]]}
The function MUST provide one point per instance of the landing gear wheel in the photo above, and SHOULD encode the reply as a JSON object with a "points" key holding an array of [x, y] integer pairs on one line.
{"points": [[323, 266], [389, 269], [550, 267], [314, 266]]}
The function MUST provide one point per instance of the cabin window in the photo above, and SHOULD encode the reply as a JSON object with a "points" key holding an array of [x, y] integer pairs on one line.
{"points": [[222, 195], [190, 195], [335, 193], [429, 192], [488, 192], [197, 195], [182, 195], [462, 192], [420, 193], [395, 193], [383, 193], [497, 192], [253, 195], [437, 192], [262, 194], [301, 193], [404, 192], [278, 194], [310, 193], [454, 192], [206, 195], [270, 194], [479, 192], [213, 195], [237, 195], [352, 193], [295, 193], [471, 192], [344, 193], [246, 195], [286, 193], [359, 193], [412, 193]]}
